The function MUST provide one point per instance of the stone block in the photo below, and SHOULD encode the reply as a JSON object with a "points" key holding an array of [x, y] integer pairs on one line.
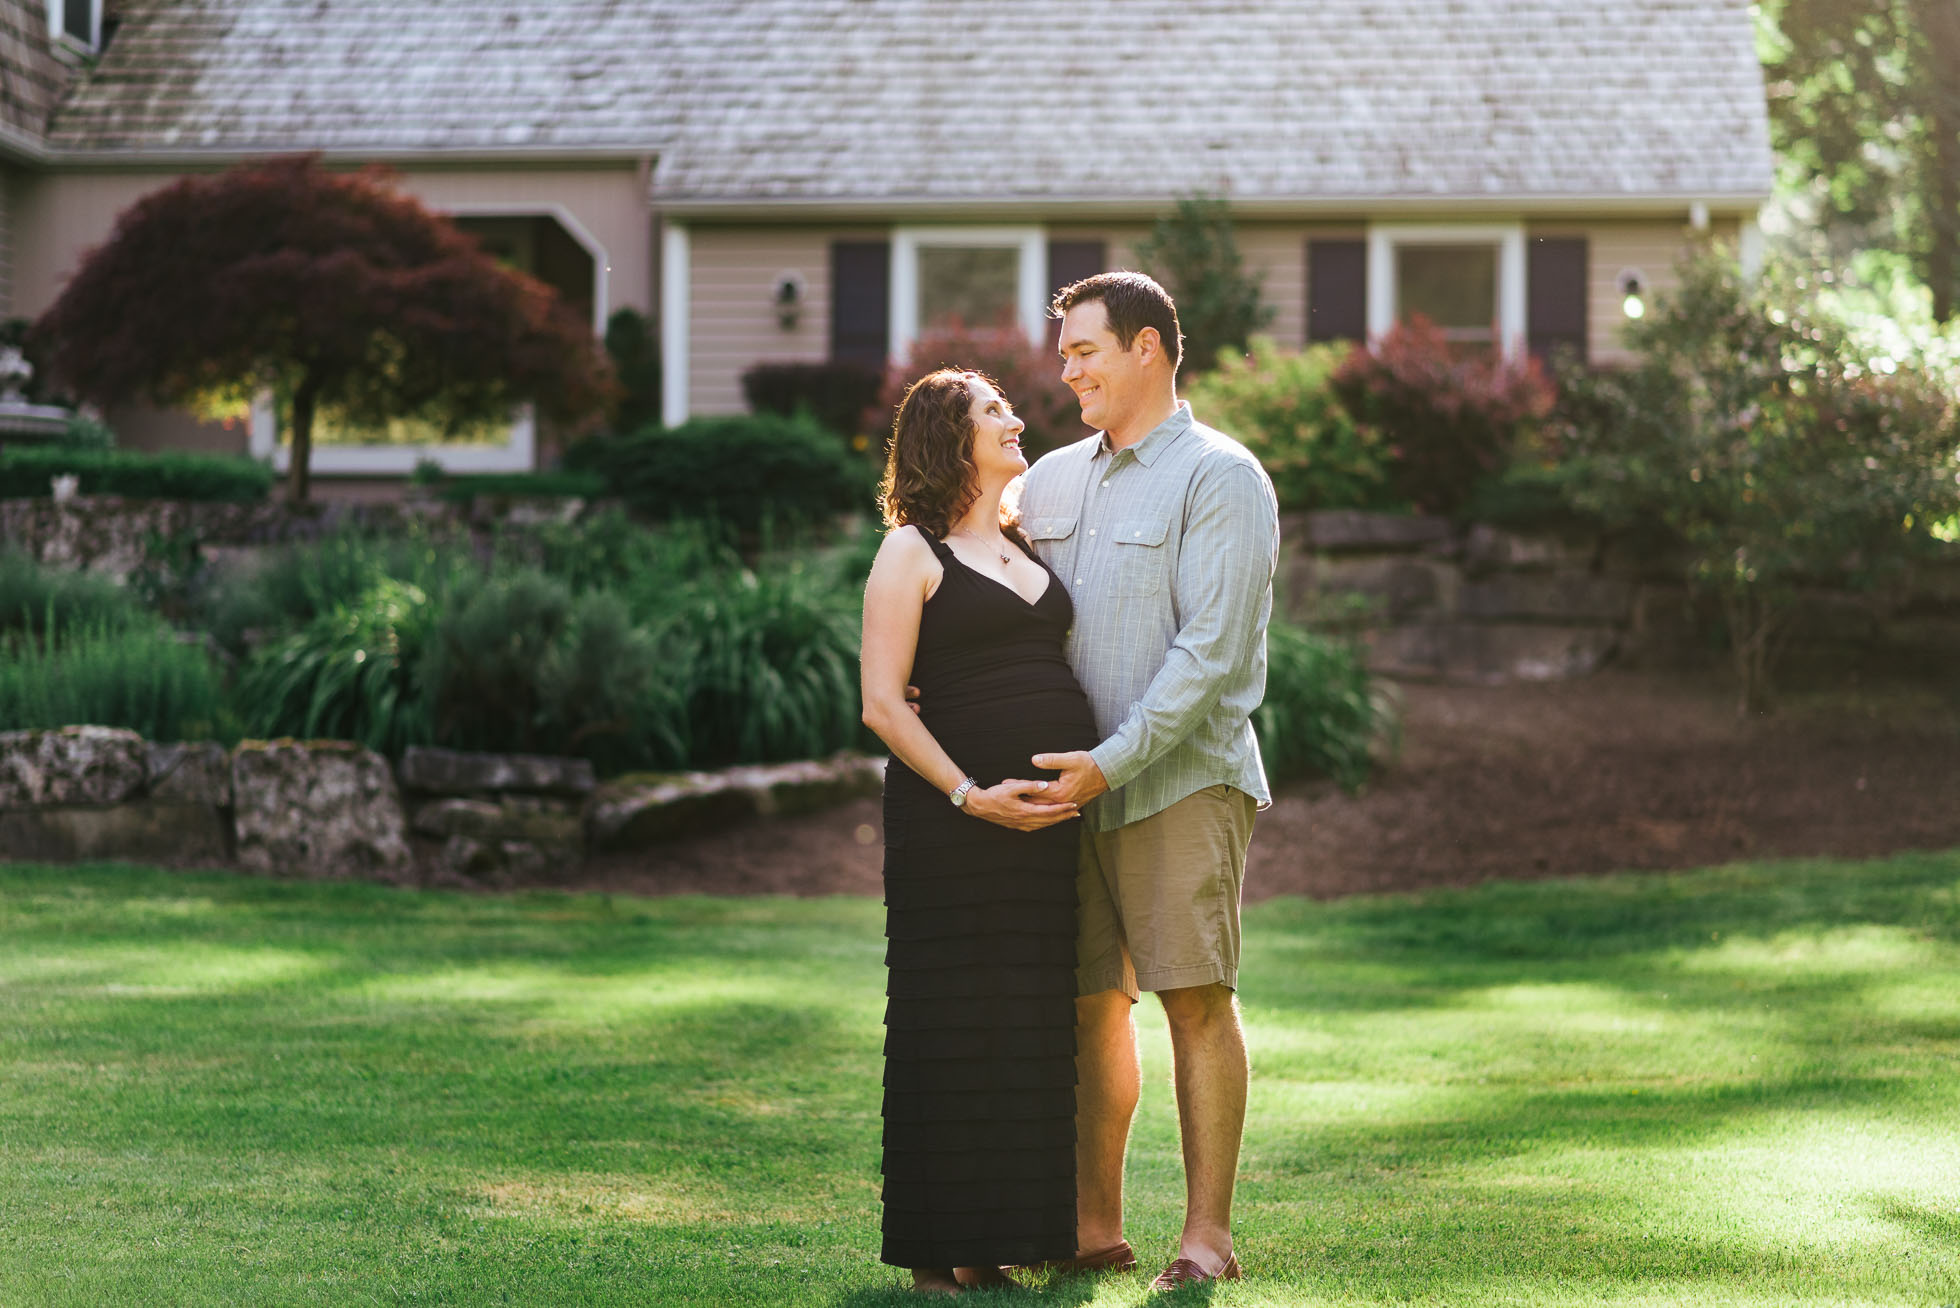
{"points": [[1492, 549], [552, 824], [504, 862], [1398, 584], [317, 808], [457, 772], [1489, 653], [71, 765], [646, 808], [1556, 596], [149, 830], [1356, 529], [190, 772]]}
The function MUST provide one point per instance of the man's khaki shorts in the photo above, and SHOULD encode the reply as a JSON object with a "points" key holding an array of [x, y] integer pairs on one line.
{"points": [[1160, 897]]}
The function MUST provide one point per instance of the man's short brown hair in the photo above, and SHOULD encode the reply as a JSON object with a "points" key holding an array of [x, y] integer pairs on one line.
{"points": [[1133, 301]]}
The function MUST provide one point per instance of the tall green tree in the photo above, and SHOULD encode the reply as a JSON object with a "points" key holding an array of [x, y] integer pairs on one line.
{"points": [[1195, 254], [1864, 99]]}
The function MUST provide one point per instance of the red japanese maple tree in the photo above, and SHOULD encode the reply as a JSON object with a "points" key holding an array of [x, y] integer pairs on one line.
{"points": [[331, 290]]}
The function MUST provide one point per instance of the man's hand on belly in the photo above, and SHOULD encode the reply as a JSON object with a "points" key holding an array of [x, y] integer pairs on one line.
{"points": [[1080, 781]]}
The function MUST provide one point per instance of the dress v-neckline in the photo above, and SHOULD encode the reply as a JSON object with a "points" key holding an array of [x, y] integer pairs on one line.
{"points": [[1031, 603]]}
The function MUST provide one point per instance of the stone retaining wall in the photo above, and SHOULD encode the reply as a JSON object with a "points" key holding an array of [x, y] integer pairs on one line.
{"points": [[1483, 605], [329, 808]]}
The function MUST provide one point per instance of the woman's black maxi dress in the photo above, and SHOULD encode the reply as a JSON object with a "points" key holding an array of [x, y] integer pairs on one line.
{"points": [[979, 1143]]}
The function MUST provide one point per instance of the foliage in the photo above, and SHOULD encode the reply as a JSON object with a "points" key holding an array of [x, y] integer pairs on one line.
{"points": [[1028, 376], [520, 485], [743, 470], [635, 356], [768, 666], [1322, 713], [350, 674], [291, 586], [1866, 119], [608, 550], [111, 672], [1778, 451], [1195, 254], [333, 289], [86, 433], [1445, 416], [26, 472], [841, 396], [1529, 495], [1281, 404], [32, 595]]}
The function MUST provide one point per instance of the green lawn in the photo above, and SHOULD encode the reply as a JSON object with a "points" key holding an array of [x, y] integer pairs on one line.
{"points": [[1738, 1086]]}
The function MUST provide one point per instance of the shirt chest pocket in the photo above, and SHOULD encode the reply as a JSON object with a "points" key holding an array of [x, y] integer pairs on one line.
{"points": [[1048, 533], [1139, 559]]}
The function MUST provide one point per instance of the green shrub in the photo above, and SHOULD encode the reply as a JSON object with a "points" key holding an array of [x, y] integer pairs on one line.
{"points": [[604, 693], [1321, 713], [1281, 404], [608, 550], [138, 675], [1446, 417], [1195, 254], [1529, 496], [635, 356], [745, 471], [26, 472], [1761, 433], [517, 485], [350, 674], [86, 433], [31, 594]]}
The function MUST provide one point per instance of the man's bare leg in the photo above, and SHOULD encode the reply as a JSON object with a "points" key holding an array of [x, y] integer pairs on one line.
{"points": [[1109, 1081], [1208, 1065]]}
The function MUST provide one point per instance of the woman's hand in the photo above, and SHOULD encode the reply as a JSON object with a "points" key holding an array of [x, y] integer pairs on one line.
{"points": [[1007, 805]]}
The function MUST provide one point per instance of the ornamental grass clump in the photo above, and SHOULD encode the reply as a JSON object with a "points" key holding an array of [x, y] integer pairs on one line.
{"points": [[1777, 448], [1322, 714], [110, 673], [1280, 403]]}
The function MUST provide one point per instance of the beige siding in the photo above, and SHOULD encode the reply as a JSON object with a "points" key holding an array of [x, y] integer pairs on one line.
{"points": [[1651, 247], [731, 311], [59, 217]]}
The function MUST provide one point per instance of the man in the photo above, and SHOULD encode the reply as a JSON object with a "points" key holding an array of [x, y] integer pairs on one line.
{"points": [[1166, 534]]}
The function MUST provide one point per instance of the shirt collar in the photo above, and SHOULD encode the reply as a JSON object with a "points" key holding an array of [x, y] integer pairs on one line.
{"points": [[1161, 437]]}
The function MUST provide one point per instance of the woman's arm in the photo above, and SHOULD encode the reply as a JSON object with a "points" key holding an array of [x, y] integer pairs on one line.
{"points": [[902, 577]]}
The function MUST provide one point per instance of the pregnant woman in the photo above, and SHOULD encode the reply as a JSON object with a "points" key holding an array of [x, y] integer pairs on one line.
{"points": [[979, 1113]]}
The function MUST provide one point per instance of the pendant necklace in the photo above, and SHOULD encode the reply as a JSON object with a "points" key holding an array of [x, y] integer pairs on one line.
{"points": [[1000, 553]]}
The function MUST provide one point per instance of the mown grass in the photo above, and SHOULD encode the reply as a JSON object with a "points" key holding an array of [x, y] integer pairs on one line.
{"points": [[1736, 1086]]}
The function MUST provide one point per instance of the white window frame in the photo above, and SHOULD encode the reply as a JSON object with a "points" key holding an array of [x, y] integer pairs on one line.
{"points": [[1508, 237], [1031, 294], [58, 30], [517, 453]]}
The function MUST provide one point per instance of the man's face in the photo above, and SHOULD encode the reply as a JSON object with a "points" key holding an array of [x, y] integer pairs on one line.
{"points": [[1107, 379]]}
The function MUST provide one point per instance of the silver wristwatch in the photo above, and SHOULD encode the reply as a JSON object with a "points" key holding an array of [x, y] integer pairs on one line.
{"points": [[959, 792]]}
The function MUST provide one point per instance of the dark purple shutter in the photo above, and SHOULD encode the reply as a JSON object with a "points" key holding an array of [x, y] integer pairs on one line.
{"points": [[1337, 290], [1555, 296], [1069, 262], [860, 301]]}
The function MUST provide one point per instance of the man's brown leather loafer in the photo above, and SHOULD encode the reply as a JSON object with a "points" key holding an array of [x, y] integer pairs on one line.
{"points": [[1185, 1272]]}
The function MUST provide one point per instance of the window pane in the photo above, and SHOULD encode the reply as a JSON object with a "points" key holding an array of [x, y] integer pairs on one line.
{"points": [[1454, 286], [975, 284], [75, 15]]}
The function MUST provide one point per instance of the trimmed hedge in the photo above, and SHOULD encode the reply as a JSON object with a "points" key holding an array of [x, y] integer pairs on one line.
{"points": [[743, 471], [521, 485], [27, 470]]}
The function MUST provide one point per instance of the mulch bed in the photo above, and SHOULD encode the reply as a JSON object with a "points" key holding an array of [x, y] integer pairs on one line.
{"points": [[1621, 770]]}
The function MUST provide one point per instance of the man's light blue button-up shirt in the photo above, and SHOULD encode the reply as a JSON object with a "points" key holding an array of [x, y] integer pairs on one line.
{"points": [[1168, 549]]}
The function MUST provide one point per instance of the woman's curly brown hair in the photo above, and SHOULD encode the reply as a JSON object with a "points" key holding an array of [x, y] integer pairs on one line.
{"points": [[929, 479]]}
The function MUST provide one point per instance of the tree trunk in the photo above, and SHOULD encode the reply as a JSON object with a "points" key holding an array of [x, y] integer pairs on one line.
{"points": [[298, 476], [1940, 25]]}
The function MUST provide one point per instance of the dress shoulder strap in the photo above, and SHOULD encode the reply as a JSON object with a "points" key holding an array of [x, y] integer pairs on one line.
{"points": [[940, 549]]}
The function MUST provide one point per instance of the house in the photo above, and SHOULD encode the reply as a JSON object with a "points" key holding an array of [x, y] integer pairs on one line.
{"points": [[799, 180]]}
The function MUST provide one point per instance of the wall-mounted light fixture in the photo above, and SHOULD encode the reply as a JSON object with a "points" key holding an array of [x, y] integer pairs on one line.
{"points": [[787, 297], [1632, 284]]}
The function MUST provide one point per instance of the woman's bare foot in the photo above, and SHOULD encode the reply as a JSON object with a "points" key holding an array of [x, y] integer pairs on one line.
{"points": [[984, 1278], [935, 1280]]}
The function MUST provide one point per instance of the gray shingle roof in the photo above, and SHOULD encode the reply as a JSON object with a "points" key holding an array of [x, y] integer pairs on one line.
{"points": [[952, 100]]}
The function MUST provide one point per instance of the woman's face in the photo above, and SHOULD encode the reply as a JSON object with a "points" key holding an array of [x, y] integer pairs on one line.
{"points": [[997, 432]]}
